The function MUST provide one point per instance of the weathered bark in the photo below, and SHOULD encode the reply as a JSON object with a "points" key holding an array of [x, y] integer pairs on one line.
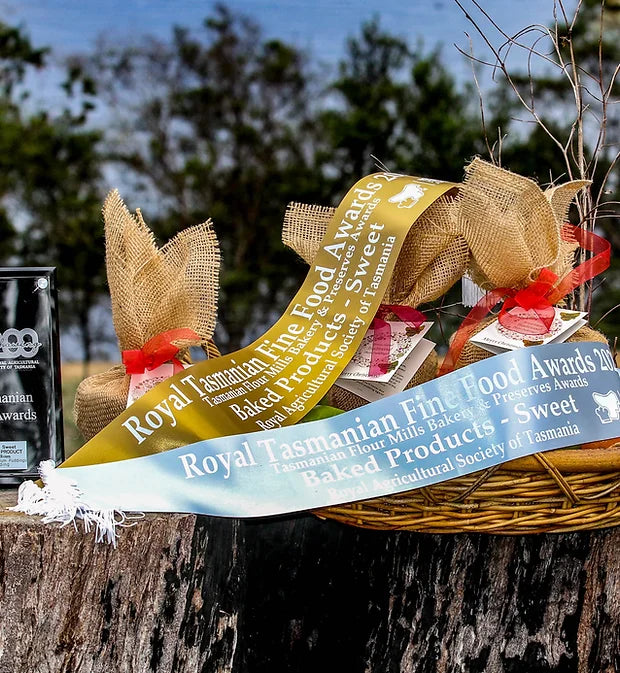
{"points": [[184, 593]]}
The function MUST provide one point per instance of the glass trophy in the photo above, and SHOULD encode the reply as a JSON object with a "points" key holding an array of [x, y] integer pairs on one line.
{"points": [[30, 392]]}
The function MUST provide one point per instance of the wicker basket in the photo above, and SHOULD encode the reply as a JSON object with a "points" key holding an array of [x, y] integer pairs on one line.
{"points": [[557, 491]]}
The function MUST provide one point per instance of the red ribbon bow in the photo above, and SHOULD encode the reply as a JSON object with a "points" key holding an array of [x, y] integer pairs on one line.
{"points": [[529, 311], [157, 351], [382, 336], [536, 298]]}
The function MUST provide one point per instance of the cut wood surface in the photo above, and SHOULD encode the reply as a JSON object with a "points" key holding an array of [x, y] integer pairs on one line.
{"points": [[182, 593]]}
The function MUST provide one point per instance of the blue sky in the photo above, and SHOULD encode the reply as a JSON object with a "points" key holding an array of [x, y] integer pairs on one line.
{"points": [[319, 26]]}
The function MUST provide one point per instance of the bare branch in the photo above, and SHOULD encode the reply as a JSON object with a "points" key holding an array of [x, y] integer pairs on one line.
{"points": [[481, 102], [472, 58]]}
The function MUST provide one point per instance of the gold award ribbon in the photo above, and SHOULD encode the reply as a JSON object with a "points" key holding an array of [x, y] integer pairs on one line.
{"points": [[277, 379]]}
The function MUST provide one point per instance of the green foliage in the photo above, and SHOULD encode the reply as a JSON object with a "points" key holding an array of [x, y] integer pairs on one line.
{"points": [[401, 107], [319, 412], [50, 172], [16, 55], [61, 194], [442, 127], [228, 134], [365, 120]]}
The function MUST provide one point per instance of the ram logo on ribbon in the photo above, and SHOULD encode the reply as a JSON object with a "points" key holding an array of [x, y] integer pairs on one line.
{"points": [[608, 409], [410, 194]]}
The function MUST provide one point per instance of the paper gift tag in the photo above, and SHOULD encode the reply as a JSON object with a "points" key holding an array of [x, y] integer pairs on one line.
{"points": [[497, 339], [377, 390], [142, 383], [403, 342]]}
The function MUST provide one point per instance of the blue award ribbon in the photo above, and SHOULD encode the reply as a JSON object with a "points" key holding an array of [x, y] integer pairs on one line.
{"points": [[502, 408]]}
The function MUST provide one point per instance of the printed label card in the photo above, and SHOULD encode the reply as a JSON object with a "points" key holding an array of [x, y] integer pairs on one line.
{"points": [[139, 384], [404, 340], [374, 389], [498, 339]]}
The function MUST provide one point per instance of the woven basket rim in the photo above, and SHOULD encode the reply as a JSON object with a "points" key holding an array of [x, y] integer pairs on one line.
{"points": [[571, 460], [553, 491]]}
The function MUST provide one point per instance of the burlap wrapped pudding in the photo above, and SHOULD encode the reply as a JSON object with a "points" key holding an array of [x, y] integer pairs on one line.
{"points": [[513, 230], [153, 290], [432, 259], [472, 353]]}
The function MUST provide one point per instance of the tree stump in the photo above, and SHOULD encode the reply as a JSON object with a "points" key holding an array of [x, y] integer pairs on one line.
{"points": [[183, 593]]}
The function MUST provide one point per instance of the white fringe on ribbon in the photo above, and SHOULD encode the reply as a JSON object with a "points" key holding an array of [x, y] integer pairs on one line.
{"points": [[61, 501]]}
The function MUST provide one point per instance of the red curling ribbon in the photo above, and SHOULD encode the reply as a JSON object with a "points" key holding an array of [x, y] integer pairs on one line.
{"points": [[599, 262], [382, 334], [157, 351], [522, 301]]}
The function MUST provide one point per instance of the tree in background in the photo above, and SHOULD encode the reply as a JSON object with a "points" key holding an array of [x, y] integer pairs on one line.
{"points": [[401, 107], [50, 187], [364, 118], [229, 125], [61, 193], [223, 129], [16, 55]]}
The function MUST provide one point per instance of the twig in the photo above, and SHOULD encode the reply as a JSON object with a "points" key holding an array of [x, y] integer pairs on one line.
{"points": [[611, 310]]}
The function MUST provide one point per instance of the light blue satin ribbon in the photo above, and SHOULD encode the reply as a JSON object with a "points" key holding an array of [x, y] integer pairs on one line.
{"points": [[505, 407]]}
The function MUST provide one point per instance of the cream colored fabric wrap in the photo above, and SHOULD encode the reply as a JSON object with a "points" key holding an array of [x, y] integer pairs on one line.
{"points": [[152, 290], [513, 229], [511, 226]]}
